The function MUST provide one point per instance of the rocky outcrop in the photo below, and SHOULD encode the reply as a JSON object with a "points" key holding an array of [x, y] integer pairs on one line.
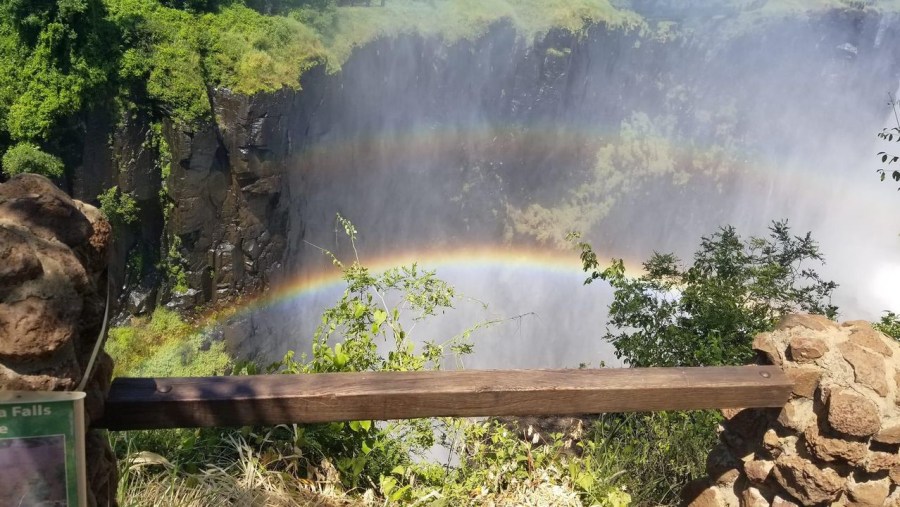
{"points": [[227, 195], [836, 441], [53, 254]]}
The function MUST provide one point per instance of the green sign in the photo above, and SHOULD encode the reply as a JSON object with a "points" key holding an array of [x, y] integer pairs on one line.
{"points": [[42, 449]]}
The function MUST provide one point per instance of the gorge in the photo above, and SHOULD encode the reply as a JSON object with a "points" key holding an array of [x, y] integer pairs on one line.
{"points": [[476, 156]]}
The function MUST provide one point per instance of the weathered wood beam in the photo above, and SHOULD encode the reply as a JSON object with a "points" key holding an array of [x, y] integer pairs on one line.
{"points": [[150, 403]]}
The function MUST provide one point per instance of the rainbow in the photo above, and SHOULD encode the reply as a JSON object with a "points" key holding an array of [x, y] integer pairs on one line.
{"points": [[333, 158], [529, 261], [410, 146]]}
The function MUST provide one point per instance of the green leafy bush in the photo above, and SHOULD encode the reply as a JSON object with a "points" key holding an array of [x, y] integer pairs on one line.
{"points": [[66, 53], [373, 310], [699, 315], [889, 325], [708, 313], [29, 158], [119, 207], [654, 454]]}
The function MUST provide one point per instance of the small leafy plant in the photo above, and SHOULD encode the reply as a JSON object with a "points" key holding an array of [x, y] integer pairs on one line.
{"points": [[890, 135], [120, 208], [889, 325], [376, 309]]}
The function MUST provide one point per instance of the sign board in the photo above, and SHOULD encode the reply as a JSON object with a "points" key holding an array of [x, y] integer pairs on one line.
{"points": [[42, 448]]}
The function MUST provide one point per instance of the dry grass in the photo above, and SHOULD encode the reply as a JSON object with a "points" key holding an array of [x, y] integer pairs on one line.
{"points": [[150, 480], [541, 491]]}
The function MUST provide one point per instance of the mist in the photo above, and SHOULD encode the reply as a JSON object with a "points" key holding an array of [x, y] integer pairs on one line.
{"points": [[641, 142]]}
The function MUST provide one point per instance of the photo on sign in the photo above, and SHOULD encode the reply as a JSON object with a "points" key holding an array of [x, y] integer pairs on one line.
{"points": [[33, 471]]}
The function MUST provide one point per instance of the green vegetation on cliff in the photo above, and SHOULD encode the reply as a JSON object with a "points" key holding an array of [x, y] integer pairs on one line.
{"points": [[61, 60], [29, 158], [55, 62], [164, 345]]}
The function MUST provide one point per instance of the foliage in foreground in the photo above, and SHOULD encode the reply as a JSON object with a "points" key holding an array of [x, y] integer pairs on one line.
{"points": [[501, 468], [373, 460], [656, 453], [707, 314], [737, 286], [619, 459], [148, 479], [889, 324], [704, 314]]}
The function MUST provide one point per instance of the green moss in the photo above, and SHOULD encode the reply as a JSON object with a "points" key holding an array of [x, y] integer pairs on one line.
{"points": [[185, 359], [164, 345]]}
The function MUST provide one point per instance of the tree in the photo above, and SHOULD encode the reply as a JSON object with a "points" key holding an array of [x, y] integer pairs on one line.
{"points": [[29, 158], [704, 314], [56, 57], [708, 313]]}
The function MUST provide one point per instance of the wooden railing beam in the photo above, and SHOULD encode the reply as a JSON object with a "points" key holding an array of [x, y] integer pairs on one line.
{"points": [[151, 403]]}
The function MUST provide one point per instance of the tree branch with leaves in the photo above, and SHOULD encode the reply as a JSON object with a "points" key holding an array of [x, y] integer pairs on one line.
{"points": [[890, 135], [707, 313]]}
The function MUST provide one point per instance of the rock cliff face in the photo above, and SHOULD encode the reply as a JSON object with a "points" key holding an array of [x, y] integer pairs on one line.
{"points": [[244, 191], [53, 254], [836, 441]]}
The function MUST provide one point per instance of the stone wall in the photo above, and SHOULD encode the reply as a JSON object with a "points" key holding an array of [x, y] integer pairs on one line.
{"points": [[836, 442], [52, 299]]}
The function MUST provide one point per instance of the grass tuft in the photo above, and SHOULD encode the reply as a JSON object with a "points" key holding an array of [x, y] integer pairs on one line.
{"points": [[148, 479]]}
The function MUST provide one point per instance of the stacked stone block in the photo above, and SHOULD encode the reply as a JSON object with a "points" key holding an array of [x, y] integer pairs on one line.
{"points": [[836, 441]]}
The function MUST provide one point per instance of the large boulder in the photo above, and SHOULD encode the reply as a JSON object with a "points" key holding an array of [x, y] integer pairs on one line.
{"points": [[53, 287]]}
